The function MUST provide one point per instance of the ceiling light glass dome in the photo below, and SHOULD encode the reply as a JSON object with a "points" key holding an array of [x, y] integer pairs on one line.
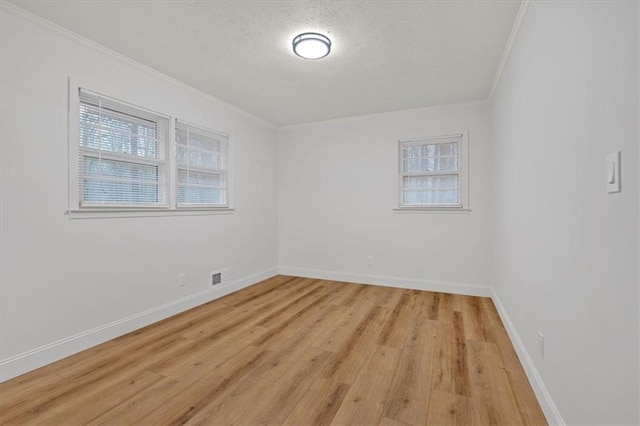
{"points": [[311, 45]]}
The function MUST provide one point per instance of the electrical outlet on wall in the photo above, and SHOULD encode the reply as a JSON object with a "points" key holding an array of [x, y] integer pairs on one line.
{"points": [[370, 260], [182, 279], [541, 344]]}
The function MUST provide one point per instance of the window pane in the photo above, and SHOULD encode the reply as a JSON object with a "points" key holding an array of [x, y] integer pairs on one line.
{"points": [[197, 178], [119, 182], [200, 159], [412, 165], [198, 141], [201, 165], [94, 167], [200, 188], [122, 153], [443, 164], [444, 149], [119, 192], [200, 195], [430, 197], [431, 182], [430, 158], [108, 130], [426, 190]]}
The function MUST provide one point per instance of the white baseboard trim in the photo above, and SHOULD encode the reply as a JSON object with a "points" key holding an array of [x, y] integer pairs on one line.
{"points": [[410, 283], [38, 357], [549, 408]]}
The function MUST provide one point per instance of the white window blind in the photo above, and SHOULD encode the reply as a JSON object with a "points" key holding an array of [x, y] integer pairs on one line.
{"points": [[122, 154], [430, 172], [202, 167]]}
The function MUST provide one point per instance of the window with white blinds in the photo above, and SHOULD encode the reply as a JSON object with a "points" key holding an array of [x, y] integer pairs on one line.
{"points": [[126, 160], [201, 167], [122, 154], [431, 172]]}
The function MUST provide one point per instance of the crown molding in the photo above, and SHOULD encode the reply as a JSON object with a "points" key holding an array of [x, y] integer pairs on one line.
{"points": [[6, 6], [461, 104], [524, 6]]}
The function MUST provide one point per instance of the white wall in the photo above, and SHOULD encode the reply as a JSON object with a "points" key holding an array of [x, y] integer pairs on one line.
{"points": [[62, 276], [566, 252], [337, 187]]}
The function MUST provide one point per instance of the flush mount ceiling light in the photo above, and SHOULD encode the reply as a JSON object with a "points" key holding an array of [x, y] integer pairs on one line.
{"points": [[311, 45]]}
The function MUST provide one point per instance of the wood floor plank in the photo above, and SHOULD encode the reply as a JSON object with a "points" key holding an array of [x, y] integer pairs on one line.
{"points": [[268, 288], [434, 306], [477, 325], [230, 380], [395, 332], [177, 400], [212, 311], [493, 318], [287, 352], [490, 385], [528, 407], [408, 398], [91, 358], [347, 325], [284, 312], [282, 330], [69, 394], [462, 380], [319, 404], [252, 311], [87, 381], [294, 351], [275, 407], [385, 421], [83, 412], [348, 288], [444, 359], [228, 410], [223, 330], [355, 295], [345, 364], [389, 297], [449, 409], [446, 310], [363, 404], [210, 356], [14, 392]]}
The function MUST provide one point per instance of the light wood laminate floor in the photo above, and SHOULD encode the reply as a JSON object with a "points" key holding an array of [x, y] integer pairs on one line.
{"points": [[293, 351]]}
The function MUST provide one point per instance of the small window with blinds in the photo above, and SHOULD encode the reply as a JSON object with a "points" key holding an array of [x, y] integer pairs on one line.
{"points": [[201, 167], [431, 172], [122, 154]]}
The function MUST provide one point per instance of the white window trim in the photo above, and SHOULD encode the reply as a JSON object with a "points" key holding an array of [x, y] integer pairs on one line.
{"points": [[463, 164], [76, 211]]}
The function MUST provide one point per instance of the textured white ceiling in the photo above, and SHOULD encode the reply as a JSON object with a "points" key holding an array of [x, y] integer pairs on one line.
{"points": [[386, 55]]}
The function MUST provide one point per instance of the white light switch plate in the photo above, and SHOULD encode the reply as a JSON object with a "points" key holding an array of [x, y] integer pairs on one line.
{"points": [[613, 172]]}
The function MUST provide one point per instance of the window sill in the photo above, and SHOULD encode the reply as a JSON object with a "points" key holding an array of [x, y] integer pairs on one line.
{"points": [[430, 210], [106, 213]]}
